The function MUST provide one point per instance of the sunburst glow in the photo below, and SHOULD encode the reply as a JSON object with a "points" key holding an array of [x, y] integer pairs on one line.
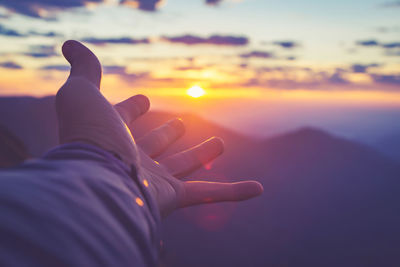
{"points": [[196, 91]]}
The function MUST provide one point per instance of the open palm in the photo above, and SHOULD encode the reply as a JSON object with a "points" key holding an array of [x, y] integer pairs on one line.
{"points": [[79, 107]]}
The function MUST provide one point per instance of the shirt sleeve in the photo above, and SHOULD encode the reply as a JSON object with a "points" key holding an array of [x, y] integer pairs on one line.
{"points": [[77, 206]]}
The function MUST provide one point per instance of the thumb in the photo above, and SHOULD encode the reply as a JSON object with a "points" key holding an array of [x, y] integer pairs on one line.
{"points": [[83, 62], [83, 113]]}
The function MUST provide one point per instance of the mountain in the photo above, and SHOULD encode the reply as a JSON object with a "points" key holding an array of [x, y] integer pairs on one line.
{"points": [[328, 201], [33, 120], [389, 145]]}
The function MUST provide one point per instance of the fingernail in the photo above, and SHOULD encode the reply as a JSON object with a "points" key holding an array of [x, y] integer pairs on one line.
{"points": [[217, 142], [177, 123]]}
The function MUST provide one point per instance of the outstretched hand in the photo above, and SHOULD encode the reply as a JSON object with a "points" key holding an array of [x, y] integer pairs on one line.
{"points": [[86, 116]]}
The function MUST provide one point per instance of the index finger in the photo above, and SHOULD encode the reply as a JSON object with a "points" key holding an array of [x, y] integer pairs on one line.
{"points": [[132, 108]]}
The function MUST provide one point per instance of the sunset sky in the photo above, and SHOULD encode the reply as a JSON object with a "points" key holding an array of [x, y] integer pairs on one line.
{"points": [[289, 63]]}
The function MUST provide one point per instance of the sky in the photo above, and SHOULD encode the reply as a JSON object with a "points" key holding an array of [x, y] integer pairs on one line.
{"points": [[266, 66]]}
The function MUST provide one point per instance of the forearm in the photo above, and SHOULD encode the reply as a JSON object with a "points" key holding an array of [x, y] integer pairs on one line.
{"points": [[79, 205]]}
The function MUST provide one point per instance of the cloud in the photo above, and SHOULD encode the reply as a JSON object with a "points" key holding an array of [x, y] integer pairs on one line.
{"points": [[41, 51], [367, 43], [296, 77], [213, 2], [219, 40], [10, 32], [13, 33], [45, 34], [257, 54], [121, 71], [42, 8], [4, 16], [153, 5], [337, 78], [286, 44], [56, 67], [38, 8], [376, 43], [360, 68], [124, 74], [145, 5], [142, 77], [187, 68], [391, 49], [392, 79], [391, 45], [114, 69], [10, 65], [122, 40], [391, 4]]}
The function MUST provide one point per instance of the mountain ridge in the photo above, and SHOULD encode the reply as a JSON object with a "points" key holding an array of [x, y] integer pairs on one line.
{"points": [[328, 201]]}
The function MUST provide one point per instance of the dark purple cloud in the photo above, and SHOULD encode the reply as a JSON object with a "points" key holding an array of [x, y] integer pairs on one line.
{"points": [[44, 34], [56, 67], [122, 72], [13, 33], [392, 79], [213, 2], [145, 5], [41, 51], [391, 49], [367, 43], [107, 69], [391, 45], [122, 40], [152, 5], [286, 44], [257, 54], [32, 8], [360, 68], [337, 78], [310, 79], [314, 79], [10, 65], [114, 69], [223, 40], [376, 43], [288, 84], [10, 32]]}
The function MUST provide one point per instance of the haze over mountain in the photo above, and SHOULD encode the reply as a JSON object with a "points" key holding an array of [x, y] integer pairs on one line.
{"points": [[328, 201]]}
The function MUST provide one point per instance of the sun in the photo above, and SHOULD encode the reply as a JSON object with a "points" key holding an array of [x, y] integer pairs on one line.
{"points": [[195, 91]]}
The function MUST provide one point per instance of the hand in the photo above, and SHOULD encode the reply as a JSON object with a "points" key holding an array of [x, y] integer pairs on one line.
{"points": [[85, 115]]}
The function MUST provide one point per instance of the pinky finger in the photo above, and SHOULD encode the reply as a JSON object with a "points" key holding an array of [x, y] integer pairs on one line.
{"points": [[197, 192]]}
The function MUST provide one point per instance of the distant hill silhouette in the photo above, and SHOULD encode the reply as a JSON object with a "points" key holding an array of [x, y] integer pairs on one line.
{"points": [[33, 120], [389, 145], [327, 201]]}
